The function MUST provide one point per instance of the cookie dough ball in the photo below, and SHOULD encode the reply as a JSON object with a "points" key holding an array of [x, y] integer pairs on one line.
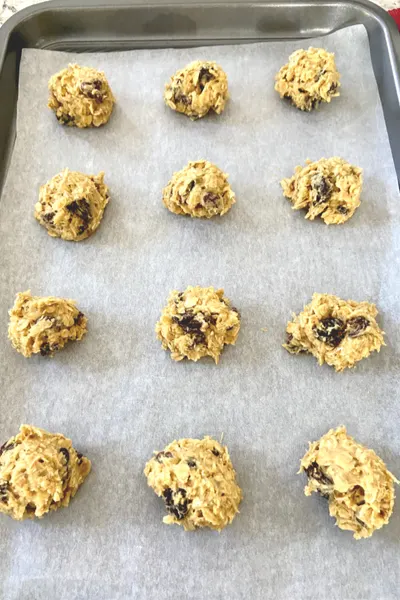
{"points": [[356, 482], [39, 472], [200, 190], [309, 78], [198, 322], [44, 325], [336, 332], [81, 97], [197, 89], [329, 188], [197, 482], [71, 205]]}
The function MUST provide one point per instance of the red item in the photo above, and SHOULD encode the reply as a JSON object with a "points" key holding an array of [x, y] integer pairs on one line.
{"points": [[396, 16]]}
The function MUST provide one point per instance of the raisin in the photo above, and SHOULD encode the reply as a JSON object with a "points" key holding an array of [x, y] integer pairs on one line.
{"points": [[235, 310], [204, 77], [215, 452], [342, 209], [188, 322], [6, 447], [323, 188], [302, 91], [190, 186], [81, 209], [210, 319], [79, 456], [331, 331], [191, 463], [3, 491], [65, 119], [356, 326], [48, 217], [161, 455], [182, 99], [176, 502], [314, 471], [78, 318], [65, 453], [91, 89], [211, 198], [199, 338], [45, 349]]}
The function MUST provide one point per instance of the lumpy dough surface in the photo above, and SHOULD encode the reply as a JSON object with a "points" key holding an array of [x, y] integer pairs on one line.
{"points": [[200, 190], [329, 188], [309, 78], [71, 205], [81, 97], [198, 322], [197, 482], [356, 482], [44, 325], [39, 472], [336, 332], [197, 89]]}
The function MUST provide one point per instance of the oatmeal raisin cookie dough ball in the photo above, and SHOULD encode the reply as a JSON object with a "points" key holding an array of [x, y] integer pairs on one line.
{"points": [[337, 332], [81, 97], [200, 189], [196, 89], [197, 482], [329, 188], [309, 78], [197, 322], [355, 481], [43, 325], [71, 205], [39, 472]]}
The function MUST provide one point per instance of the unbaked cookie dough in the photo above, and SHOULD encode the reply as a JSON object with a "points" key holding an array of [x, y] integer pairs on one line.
{"points": [[197, 89], [197, 482], [200, 190], [39, 472], [198, 322], [356, 482], [71, 205], [337, 332], [44, 325], [329, 188], [309, 78], [81, 97]]}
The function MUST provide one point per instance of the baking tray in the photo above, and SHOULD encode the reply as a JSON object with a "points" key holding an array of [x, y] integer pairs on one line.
{"points": [[103, 26], [79, 583]]}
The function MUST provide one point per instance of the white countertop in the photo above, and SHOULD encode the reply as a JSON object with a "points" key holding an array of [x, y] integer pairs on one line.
{"points": [[9, 7]]}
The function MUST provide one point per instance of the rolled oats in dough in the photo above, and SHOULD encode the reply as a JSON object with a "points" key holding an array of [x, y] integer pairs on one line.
{"points": [[44, 325], [200, 190], [356, 482], [39, 472], [198, 322], [197, 482], [329, 188], [81, 97], [196, 89], [71, 205], [337, 332], [309, 78]]}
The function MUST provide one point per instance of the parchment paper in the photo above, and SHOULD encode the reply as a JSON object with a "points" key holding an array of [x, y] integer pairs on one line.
{"points": [[118, 395]]}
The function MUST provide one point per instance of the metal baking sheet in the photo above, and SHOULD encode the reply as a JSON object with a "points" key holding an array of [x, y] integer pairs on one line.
{"points": [[131, 398]]}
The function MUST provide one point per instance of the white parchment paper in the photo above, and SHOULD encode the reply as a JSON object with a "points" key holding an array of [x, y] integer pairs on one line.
{"points": [[118, 395]]}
